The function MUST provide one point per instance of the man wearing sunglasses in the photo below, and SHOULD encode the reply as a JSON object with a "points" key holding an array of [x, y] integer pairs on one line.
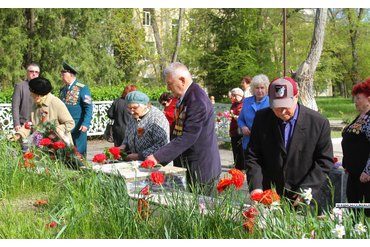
{"points": [[22, 101]]}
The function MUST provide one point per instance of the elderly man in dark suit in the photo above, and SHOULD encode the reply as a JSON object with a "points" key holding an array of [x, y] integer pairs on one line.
{"points": [[22, 101], [193, 142], [290, 146]]}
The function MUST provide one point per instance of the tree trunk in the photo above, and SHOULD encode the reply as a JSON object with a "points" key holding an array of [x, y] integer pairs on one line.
{"points": [[354, 31], [178, 39], [304, 75], [31, 30], [157, 38]]}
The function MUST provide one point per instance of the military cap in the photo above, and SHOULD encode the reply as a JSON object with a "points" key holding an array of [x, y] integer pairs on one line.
{"points": [[68, 68]]}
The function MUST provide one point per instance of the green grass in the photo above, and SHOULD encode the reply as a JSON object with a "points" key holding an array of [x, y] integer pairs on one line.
{"points": [[331, 108], [337, 108], [90, 205]]}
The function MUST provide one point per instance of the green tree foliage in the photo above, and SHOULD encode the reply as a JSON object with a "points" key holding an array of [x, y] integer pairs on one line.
{"points": [[88, 39], [112, 47]]}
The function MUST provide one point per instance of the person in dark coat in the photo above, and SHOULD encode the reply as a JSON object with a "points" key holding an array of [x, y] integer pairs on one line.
{"points": [[119, 113], [356, 148], [193, 138], [77, 98], [290, 146]]}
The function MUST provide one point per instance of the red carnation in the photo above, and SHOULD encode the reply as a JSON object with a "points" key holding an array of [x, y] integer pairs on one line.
{"points": [[59, 145], [218, 120], [146, 191], [249, 219], [28, 125], [99, 158], [251, 213], [41, 202], [115, 151], [223, 184], [335, 159], [220, 114], [267, 197], [257, 197], [28, 155], [157, 178], [45, 142], [148, 164], [51, 225], [238, 178]]}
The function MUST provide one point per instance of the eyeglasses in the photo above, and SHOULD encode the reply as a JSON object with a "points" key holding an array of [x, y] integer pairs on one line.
{"points": [[133, 108], [33, 71]]}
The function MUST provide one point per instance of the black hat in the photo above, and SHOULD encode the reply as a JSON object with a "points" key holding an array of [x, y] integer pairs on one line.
{"points": [[68, 68], [40, 86]]}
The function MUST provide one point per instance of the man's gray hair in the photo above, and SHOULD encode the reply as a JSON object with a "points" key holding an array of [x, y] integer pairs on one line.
{"points": [[177, 69], [34, 65]]}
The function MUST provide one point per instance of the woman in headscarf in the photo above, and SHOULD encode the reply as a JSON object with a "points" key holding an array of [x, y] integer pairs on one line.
{"points": [[147, 129]]}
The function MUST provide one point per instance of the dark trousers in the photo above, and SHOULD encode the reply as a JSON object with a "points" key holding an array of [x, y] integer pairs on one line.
{"points": [[358, 192], [238, 152]]}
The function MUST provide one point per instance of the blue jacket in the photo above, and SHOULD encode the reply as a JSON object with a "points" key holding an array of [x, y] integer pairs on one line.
{"points": [[246, 116], [79, 103]]}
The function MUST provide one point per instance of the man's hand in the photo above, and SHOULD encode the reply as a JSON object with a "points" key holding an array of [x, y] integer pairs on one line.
{"points": [[132, 157], [14, 137], [17, 127], [256, 191], [83, 129], [153, 158], [246, 131], [364, 178], [298, 199]]}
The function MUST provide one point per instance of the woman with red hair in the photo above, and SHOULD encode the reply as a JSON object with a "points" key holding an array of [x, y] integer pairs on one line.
{"points": [[356, 148]]}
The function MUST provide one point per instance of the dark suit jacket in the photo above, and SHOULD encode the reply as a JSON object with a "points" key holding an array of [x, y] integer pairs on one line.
{"points": [[197, 145], [309, 160], [21, 103]]}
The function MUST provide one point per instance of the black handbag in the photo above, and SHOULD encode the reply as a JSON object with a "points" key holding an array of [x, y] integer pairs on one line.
{"points": [[108, 133]]}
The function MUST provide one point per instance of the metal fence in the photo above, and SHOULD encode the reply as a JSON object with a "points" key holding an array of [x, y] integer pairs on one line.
{"points": [[100, 119]]}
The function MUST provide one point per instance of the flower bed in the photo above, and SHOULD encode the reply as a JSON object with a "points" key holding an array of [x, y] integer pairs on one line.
{"points": [[68, 204]]}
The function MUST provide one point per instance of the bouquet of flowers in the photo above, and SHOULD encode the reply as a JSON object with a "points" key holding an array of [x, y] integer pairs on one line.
{"points": [[227, 114], [110, 155], [55, 144]]}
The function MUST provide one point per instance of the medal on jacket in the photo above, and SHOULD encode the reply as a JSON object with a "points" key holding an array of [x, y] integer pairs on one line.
{"points": [[179, 118], [357, 126], [43, 115]]}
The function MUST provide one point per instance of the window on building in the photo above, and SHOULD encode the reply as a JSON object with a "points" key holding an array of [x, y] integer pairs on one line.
{"points": [[146, 17]]}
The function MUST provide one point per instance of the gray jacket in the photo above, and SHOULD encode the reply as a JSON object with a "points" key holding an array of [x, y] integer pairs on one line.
{"points": [[21, 104]]}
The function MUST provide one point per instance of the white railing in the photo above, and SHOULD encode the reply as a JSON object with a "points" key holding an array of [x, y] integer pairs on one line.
{"points": [[100, 119]]}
